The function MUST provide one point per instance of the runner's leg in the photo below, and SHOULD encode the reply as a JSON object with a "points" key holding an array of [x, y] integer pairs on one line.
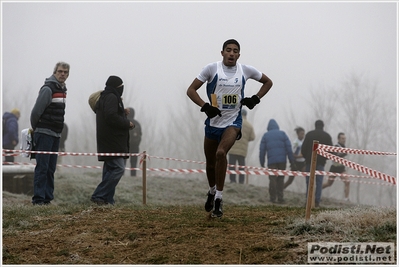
{"points": [[227, 141], [210, 147]]}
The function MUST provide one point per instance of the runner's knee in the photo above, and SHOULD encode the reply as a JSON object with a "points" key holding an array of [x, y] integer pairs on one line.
{"points": [[220, 154]]}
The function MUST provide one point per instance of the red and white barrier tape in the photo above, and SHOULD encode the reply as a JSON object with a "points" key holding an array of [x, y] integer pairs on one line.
{"points": [[353, 150], [358, 167], [248, 169], [273, 172], [258, 171], [189, 171], [69, 153], [364, 182]]}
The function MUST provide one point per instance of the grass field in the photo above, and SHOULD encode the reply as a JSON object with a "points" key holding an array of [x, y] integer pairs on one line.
{"points": [[173, 227]]}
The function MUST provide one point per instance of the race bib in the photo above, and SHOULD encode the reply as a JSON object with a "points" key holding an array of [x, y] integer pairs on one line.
{"points": [[229, 101]]}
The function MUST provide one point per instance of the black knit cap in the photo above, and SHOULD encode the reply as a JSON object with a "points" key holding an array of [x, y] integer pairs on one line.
{"points": [[114, 81]]}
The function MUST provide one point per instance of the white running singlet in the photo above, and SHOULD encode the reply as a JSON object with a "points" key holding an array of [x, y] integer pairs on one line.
{"points": [[228, 83]]}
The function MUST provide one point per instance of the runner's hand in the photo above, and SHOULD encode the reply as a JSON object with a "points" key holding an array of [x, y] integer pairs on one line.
{"points": [[211, 111], [250, 102]]}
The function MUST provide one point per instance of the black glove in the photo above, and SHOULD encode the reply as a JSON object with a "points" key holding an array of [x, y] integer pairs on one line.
{"points": [[250, 102], [211, 111]]}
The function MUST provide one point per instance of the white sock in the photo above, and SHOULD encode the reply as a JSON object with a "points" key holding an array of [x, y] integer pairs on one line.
{"points": [[218, 194], [212, 190]]}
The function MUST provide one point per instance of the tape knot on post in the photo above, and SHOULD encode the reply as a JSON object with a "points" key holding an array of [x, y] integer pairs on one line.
{"points": [[143, 156]]}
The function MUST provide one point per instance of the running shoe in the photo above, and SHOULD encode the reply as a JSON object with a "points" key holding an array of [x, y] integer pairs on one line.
{"points": [[218, 212], [209, 202]]}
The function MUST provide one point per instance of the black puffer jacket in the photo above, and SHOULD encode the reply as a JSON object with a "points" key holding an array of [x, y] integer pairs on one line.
{"points": [[112, 124]]}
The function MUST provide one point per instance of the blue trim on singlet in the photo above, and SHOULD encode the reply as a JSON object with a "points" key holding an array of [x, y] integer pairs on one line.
{"points": [[238, 120], [211, 87]]}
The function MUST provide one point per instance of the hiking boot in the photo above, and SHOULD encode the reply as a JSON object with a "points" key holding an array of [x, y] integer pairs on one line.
{"points": [[209, 202], [41, 203], [217, 212], [281, 201], [99, 202]]}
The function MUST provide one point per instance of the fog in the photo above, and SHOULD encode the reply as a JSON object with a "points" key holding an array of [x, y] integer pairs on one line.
{"points": [[158, 48]]}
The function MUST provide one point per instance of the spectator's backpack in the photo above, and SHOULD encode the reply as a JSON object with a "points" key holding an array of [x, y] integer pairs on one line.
{"points": [[93, 99]]}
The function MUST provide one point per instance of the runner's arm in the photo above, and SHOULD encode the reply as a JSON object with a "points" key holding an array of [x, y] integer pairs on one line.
{"points": [[193, 94], [267, 84]]}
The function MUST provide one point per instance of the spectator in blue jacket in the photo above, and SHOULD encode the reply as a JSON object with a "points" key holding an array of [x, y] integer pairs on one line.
{"points": [[10, 132], [276, 144]]}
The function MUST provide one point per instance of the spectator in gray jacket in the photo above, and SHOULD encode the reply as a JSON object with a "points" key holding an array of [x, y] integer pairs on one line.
{"points": [[47, 122]]}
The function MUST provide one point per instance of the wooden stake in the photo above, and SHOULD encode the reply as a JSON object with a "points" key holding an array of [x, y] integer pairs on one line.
{"points": [[246, 175], [144, 178], [310, 197]]}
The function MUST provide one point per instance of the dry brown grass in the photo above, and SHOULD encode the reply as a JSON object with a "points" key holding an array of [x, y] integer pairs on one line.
{"points": [[181, 232]]}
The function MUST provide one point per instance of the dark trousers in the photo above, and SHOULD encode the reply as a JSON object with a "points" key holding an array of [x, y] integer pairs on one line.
{"points": [[319, 183], [133, 164], [299, 166], [43, 184], [113, 170], [133, 160], [241, 162], [276, 183]]}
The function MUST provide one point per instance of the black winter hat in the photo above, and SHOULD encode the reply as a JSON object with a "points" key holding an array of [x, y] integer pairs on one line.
{"points": [[114, 81]]}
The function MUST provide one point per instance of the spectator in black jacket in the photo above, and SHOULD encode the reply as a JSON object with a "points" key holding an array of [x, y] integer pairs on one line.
{"points": [[307, 146], [112, 137], [337, 167]]}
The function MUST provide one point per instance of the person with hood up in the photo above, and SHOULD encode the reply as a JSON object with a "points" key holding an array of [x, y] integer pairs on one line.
{"points": [[10, 131], [112, 132], [277, 146]]}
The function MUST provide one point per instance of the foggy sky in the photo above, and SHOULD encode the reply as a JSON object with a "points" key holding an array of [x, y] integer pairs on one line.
{"points": [[158, 48]]}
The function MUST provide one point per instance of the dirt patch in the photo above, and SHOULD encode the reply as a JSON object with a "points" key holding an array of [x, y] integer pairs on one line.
{"points": [[173, 228], [167, 235]]}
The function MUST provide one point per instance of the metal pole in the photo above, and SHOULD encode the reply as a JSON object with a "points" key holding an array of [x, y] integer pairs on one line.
{"points": [[310, 197]]}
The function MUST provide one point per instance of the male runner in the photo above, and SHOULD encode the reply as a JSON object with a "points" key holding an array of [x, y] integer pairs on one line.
{"points": [[226, 81]]}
